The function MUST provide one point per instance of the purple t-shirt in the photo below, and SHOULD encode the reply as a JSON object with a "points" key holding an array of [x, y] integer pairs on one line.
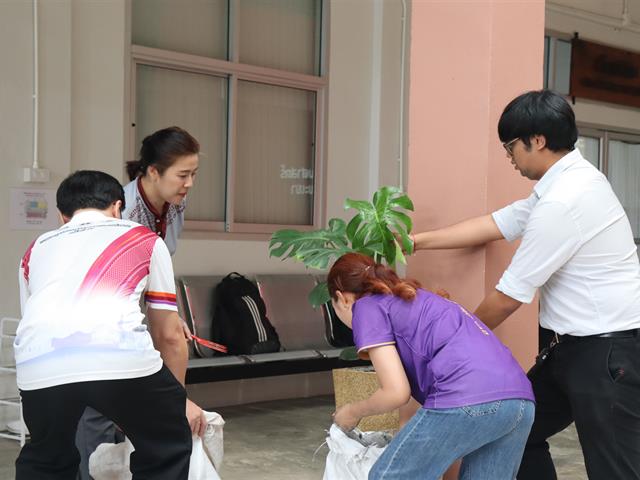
{"points": [[450, 357]]}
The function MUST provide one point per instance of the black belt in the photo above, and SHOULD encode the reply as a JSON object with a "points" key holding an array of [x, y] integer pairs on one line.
{"points": [[557, 338]]}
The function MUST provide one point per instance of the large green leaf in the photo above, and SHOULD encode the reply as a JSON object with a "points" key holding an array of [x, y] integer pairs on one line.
{"points": [[379, 229], [375, 224], [402, 201], [366, 209], [353, 227], [314, 248], [406, 243], [319, 295], [389, 248], [399, 255], [402, 217], [381, 199]]}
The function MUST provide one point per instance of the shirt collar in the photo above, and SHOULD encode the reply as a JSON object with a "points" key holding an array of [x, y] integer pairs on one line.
{"points": [[165, 207], [560, 166], [89, 216]]}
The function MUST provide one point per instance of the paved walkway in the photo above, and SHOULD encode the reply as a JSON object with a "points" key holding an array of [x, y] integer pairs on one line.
{"points": [[278, 440]]}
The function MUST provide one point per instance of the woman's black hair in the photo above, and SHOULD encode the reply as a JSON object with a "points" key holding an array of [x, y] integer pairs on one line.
{"points": [[88, 189], [161, 149], [540, 112]]}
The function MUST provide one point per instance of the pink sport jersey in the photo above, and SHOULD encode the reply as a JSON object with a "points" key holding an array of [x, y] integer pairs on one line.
{"points": [[80, 289]]}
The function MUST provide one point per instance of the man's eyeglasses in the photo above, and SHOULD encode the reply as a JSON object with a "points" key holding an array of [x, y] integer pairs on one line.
{"points": [[508, 146]]}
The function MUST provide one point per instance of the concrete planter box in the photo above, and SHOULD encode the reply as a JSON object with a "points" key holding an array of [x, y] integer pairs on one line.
{"points": [[358, 383]]}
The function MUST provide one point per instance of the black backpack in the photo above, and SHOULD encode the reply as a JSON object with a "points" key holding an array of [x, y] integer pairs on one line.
{"points": [[240, 318], [338, 333]]}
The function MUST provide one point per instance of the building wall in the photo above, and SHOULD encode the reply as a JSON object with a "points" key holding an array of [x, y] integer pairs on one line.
{"points": [[16, 117], [83, 66], [599, 21], [98, 52], [457, 166], [466, 60]]}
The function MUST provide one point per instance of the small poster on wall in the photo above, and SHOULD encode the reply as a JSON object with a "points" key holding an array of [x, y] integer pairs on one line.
{"points": [[33, 209]]}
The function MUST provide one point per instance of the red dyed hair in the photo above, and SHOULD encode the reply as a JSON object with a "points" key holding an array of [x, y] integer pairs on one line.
{"points": [[358, 274]]}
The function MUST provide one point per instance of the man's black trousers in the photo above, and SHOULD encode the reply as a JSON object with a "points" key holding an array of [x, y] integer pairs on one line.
{"points": [[150, 410], [594, 382]]}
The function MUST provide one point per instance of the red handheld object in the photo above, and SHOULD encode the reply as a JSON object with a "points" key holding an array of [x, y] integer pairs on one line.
{"points": [[209, 344]]}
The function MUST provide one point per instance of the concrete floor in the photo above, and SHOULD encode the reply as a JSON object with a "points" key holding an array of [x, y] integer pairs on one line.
{"points": [[278, 441]]}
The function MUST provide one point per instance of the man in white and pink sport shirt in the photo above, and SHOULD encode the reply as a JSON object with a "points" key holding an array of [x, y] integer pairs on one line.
{"points": [[81, 341]]}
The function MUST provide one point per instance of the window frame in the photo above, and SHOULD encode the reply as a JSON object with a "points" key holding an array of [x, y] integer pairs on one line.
{"points": [[600, 135], [551, 40], [234, 71], [605, 135]]}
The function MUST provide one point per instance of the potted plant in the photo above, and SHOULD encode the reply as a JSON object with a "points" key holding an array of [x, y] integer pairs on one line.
{"points": [[379, 229]]}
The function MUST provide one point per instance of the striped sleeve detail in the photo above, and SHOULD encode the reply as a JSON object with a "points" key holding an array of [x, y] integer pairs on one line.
{"points": [[160, 298]]}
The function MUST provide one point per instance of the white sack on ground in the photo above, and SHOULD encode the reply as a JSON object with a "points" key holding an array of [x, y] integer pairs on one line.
{"points": [[110, 461], [352, 455], [213, 439]]}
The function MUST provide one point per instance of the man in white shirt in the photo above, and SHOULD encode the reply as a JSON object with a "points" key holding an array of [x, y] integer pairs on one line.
{"points": [[81, 341], [578, 250]]}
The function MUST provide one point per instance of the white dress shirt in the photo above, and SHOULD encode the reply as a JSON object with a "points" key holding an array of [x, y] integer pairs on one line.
{"points": [[577, 248]]}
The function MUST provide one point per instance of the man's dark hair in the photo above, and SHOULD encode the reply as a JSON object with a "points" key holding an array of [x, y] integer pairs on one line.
{"points": [[540, 112], [88, 189]]}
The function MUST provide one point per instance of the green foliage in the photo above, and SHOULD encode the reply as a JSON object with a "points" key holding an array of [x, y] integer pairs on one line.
{"points": [[319, 295], [350, 354], [314, 248], [379, 229]]}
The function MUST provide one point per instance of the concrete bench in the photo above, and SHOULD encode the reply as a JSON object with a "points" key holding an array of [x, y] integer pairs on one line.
{"points": [[305, 333]]}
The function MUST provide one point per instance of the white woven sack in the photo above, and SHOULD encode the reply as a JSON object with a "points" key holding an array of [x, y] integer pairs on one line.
{"points": [[213, 438], [110, 461], [352, 455]]}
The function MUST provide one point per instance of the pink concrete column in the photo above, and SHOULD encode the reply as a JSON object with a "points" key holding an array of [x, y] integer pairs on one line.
{"points": [[469, 58]]}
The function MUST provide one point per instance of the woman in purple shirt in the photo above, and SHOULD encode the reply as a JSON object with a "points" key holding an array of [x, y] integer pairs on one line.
{"points": [[477, 403]]}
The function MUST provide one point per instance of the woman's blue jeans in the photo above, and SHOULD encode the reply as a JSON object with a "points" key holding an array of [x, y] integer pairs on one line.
{"points": [[489, 437]]}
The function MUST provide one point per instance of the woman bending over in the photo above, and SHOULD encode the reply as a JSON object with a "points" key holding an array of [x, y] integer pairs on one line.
{"points": [[477, 403]]}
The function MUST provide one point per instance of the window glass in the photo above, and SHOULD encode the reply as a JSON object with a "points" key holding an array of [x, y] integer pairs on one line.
{"points": [[282, 34], [624, 176], [590, 149], [275, 155], [198, 27], [562, 67], [268, 178], [557, 64], [197, 103]]}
